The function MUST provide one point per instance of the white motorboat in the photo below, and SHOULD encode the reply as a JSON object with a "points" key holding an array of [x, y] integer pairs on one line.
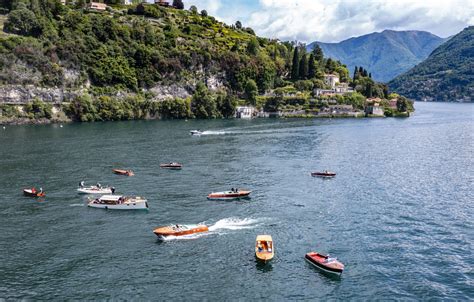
{"points": [[96, 190], [195, 132], [119, 202]]}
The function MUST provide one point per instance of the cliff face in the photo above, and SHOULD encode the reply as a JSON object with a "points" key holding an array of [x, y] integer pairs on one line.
{"points": [[56, 53]]}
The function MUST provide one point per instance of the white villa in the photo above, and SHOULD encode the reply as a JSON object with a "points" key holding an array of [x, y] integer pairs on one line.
{"points": [[246, 112], [331, 80]]}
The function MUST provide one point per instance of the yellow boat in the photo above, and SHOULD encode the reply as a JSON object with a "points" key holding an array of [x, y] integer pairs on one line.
{"points": [[264, 250]]}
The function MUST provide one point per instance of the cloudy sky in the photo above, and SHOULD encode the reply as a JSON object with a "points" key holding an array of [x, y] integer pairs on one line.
{"points": [[336, 20]]}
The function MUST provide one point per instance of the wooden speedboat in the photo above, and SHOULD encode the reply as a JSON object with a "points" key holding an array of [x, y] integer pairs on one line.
{"points": [[33, 192], [264, 248], [229, 195], [325, 263], [172, 166], [179, 230], [123, 172], [323, 174], [195, 132], [118, 202]]}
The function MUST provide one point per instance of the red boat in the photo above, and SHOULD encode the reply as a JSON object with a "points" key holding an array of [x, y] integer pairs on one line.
{"points": [[323, 174], [325, 263], [172, 166], [33, 193], [123, 172]]}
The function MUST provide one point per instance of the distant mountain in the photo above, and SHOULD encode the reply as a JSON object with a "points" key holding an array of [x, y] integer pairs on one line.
{"points": [[386, 54], [446, 75]]}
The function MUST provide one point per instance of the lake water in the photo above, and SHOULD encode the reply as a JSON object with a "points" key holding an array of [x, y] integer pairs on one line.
{"points": [[399, 213]]}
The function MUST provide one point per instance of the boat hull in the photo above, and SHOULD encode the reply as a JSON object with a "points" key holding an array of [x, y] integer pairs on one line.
{"points": [[139, 205], [321, 174], [168, 231], [264, 249], [123, 172], [229, 195], [171, 167], [30, 193], [94, 191], [317, 260]]}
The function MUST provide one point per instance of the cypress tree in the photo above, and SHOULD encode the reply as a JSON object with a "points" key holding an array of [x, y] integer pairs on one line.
{"points": [[318, 53], [312, 67], [356, 73], [304, 67], [295, 70]]}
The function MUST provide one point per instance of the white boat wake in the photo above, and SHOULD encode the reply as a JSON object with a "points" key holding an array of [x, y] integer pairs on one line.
{"points": [[232, 223], [77, 205], [214, 132]]}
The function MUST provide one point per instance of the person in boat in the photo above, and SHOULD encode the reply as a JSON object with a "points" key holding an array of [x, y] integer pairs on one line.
{"points": [[33, 190], [260, 248], [112, 190], [232, 190], [81, 184], [41, 191], [98, 185]]}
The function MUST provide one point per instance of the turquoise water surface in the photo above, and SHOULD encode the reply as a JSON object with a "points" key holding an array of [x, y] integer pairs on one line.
{"points": [[399, 214]]}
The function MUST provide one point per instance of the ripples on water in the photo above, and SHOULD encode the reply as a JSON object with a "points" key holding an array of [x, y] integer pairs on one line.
{"points": [[398, 214]]}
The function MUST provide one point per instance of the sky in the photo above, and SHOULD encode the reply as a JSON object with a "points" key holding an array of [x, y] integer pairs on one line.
{"points": [[336, 20]]}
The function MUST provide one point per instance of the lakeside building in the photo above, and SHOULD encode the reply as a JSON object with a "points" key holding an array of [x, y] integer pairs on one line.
{"points": [[331, 80], [340, 89], [97, 6], [373, 107], [245, 112]]}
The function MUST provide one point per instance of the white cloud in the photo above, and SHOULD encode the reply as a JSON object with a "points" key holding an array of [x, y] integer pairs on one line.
{"points": [[336, 20]]}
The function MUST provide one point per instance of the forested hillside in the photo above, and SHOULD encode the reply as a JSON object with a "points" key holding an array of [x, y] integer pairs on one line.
{"points": [[446, 75], [117, 63]]}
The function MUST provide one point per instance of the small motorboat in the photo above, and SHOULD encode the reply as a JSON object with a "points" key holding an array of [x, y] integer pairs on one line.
{"points": [[264, 248], [172, 166], [123, 172], [195, 132], [97, 189], [33, 192], [325, 263], [179, 230], [118, 202], [323, 174], [229, 195]]}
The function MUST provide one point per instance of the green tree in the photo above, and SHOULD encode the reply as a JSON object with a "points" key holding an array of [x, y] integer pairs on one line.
{"points": [[295, 67], [204, 13], [226, 104], [193, 9], [23, 22], [203, 104], [312, 67], [402, 104], [303, 68], [238, 25], [318, 53], [178, 4], [252, 47], [251, 91]]}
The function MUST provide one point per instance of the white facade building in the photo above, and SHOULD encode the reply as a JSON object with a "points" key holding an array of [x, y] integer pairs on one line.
{"points": [[246, 112]]}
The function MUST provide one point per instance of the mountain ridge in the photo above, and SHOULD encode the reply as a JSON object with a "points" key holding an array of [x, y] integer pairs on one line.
{"points": [[385, 54], [446, 75]]}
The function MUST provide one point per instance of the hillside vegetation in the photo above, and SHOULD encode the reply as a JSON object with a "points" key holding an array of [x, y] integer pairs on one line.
{"points": [[446, 75], [117, 63], [386, 54]]}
